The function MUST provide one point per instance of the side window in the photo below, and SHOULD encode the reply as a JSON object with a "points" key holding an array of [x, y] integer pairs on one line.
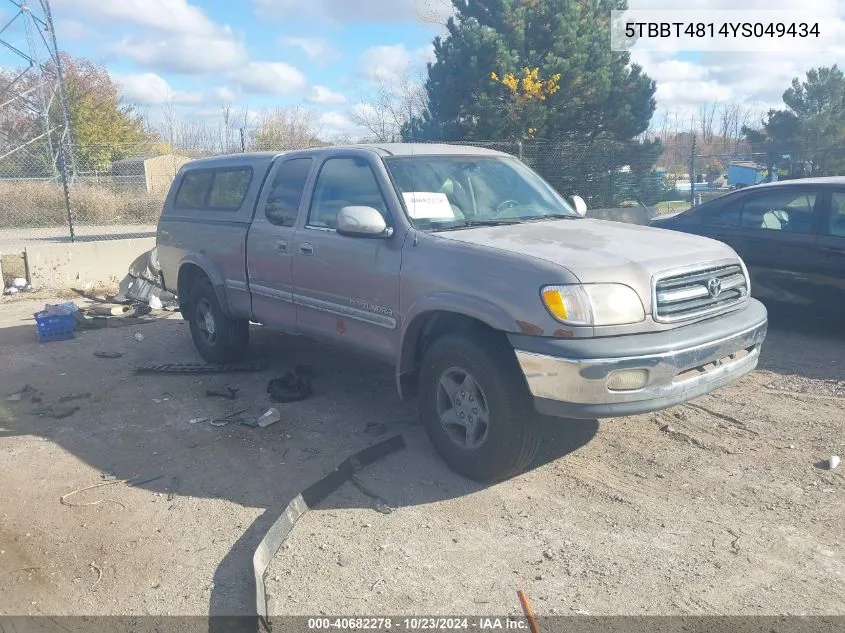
{"points": [[726, 215], [837, 214], [286, 192], [214, 189], [344, 182], [789, 210], [229, 188], [193, 190]]}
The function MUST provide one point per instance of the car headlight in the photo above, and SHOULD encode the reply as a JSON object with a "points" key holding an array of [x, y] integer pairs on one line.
{"points": [[593, 304]]}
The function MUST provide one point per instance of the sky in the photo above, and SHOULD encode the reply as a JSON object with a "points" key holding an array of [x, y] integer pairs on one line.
{"points": [[322, 54]]}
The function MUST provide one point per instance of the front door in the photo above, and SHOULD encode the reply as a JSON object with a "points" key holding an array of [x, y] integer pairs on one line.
{"points": [[347, 288], [270, 244], [777, 237]]}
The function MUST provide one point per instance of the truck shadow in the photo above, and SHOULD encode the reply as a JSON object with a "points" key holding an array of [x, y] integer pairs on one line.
{"points": [[139, 427]]}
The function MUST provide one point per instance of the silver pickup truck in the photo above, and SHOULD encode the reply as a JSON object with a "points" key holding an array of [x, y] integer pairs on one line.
{"points": [[495, 300]]}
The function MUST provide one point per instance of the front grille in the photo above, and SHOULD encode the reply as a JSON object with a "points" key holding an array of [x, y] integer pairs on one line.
{"points": [[698, 293]]}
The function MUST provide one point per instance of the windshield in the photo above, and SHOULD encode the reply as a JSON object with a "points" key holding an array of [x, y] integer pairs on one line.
{"points": [[453, 191]]}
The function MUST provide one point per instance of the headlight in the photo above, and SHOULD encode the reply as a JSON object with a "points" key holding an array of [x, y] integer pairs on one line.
{"points": [[593, 304]]}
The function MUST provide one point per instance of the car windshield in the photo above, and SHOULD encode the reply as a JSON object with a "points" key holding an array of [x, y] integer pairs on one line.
{"points": [[446, 192]]}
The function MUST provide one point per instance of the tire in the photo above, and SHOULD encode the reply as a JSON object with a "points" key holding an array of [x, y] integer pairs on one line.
{"points": [[508, 441], [217, 338]]}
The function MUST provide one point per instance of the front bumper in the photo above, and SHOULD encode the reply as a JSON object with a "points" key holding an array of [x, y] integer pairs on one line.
{"points": [[679, 365]]}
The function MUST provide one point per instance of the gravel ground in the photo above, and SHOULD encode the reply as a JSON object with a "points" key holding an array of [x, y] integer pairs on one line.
{"points": [[719, 506]]}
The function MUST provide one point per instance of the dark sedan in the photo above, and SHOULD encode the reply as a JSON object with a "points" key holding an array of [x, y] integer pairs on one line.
{"points": [[791, 235]]}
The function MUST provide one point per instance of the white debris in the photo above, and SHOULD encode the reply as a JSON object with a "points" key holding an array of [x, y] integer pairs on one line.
{"points": [[833, 462], [155, 303], [139, 337], [19, 282], [10, 290]]}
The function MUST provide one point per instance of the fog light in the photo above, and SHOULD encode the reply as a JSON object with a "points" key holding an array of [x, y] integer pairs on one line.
{"points": [[627, 379]]}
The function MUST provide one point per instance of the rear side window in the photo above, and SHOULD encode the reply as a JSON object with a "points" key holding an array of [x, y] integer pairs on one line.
{"points": [[214, 189], [285, 195]]}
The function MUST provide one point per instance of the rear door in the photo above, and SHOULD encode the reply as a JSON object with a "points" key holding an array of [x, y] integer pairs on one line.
{"points": [[831, 255], [270, 243], [347, 288]]}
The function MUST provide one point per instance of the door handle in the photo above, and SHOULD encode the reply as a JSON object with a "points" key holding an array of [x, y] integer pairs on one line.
{"points": [[306, 249], [282, 245]]}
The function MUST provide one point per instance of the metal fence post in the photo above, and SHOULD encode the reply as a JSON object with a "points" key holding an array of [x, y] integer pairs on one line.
{"points": [[692, 173], [612, 200], [63, 172]]}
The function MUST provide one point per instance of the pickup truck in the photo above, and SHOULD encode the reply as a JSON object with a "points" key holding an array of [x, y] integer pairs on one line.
{"points": [[494, 299]]}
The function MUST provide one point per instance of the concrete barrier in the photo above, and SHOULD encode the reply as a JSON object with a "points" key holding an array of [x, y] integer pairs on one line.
{"points": [[629, 215], [76, 265]]}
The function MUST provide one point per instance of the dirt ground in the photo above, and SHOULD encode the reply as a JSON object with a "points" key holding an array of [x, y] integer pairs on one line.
{"points": [[720, 506]]}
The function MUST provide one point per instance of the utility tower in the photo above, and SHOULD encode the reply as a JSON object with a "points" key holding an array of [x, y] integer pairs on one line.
{"points": [[35, 134]]}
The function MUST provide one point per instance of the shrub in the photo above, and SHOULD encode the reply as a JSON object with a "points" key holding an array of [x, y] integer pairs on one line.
{"points": [[33, 204]]}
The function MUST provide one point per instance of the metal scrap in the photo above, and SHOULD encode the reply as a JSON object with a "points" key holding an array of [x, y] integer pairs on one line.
{"points": [[292, 387], [303, 502], [199, 368], [229, 394]]}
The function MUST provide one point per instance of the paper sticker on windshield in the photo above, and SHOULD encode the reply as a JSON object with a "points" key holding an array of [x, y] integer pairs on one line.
{"points": [[425, 205]]}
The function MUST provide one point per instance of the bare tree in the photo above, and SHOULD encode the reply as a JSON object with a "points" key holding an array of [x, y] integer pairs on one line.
{"points": [[706, 115], [386, 110], [284, 128]]}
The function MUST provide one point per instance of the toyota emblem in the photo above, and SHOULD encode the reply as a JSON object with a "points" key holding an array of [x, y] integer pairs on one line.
{"points": [[714, 286]]}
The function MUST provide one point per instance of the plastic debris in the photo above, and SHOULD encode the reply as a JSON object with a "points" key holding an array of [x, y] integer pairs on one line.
{"points": [[155, 303], [11, 290], [197, 420], [138, 336], [19, 283], [833, 462], [271, 416]]}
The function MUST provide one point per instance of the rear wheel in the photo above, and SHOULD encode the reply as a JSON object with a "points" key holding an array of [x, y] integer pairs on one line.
{"points": [[475, 407], [218, 338]]}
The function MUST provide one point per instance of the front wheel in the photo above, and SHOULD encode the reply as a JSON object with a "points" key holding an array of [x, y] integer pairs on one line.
{"points": [[475, 407], [217, 338]]}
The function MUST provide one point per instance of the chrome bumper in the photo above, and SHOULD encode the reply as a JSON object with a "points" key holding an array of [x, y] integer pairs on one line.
{"points": [[578, 388]]}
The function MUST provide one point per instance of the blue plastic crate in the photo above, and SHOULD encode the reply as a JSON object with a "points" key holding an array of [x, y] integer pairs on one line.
{"points": [[54, 327]]}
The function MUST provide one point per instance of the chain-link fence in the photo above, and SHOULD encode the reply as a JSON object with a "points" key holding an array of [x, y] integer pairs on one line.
{"points": [[118, 192]]}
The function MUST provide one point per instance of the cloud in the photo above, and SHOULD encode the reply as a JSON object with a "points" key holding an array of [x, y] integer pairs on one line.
{"points": [[225, 94], [67, 29], [270, 78], [186, 54], [175, 16], [338, 124], [320, 95], [150, 89], [317, 50], [361, 11], [390, 63]]}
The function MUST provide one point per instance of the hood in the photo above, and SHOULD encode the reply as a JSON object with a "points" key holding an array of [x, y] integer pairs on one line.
{"points": [[598, 251]]}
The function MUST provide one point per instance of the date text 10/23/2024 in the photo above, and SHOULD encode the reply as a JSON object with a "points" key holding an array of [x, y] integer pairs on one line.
{"points": [[420, 624]]}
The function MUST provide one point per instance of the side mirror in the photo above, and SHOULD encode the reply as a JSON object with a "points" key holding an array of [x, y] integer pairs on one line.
{"points": [[361, 222], [580, 205]]}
